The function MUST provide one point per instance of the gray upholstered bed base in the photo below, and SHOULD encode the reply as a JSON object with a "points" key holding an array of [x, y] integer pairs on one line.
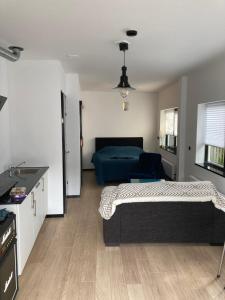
{"points": [[180, 222]]}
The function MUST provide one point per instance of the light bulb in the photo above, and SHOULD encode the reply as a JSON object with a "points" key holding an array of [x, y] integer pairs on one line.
{"points": [[125, 105], [124, 93]]}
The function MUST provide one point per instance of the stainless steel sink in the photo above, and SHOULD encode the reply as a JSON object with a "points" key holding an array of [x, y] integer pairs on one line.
{"points": [[26, 171]]}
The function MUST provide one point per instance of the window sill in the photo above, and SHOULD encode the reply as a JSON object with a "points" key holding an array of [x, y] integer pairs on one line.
{"points": [[169, 150], [211, 169]]}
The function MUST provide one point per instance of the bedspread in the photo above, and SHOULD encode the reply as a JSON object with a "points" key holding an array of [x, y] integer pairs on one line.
{"points": [[166, 191]]}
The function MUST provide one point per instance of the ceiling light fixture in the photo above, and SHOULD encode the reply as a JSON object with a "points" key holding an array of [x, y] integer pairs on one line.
{"points": [[72, 55], [13, 54], [131, 33], [124, 87]]}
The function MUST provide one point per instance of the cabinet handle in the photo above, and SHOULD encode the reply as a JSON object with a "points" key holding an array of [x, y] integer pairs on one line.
{"points": [[43, 186], [32, 200], [35, 211], [37, 185]]}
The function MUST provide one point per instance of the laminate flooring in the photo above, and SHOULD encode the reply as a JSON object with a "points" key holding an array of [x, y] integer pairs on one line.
{"points": [[69, 261]]}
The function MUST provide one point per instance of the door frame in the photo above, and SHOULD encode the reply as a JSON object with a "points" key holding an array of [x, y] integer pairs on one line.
{"points": [[81, 141], [63, 115]]}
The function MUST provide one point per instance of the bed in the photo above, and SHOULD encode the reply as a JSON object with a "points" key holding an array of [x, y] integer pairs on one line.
{"points": [[115, 158], [174, 220]]}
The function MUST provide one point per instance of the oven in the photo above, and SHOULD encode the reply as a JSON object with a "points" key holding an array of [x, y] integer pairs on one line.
{"points": [[8, 258]]}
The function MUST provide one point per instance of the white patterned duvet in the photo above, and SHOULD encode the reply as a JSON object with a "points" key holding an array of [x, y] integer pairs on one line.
{"points": [[164, 191]]}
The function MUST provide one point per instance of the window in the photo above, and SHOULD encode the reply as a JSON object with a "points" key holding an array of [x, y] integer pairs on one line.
{"points": [[168, 129], [214, 156], [213, 136]]}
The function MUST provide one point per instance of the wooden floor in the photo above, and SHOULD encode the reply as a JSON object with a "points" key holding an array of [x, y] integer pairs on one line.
{"points": [[69, 261]]}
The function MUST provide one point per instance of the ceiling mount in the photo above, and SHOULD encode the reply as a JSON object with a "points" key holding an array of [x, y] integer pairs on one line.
{"points": [[123, 46], [13, 54], [131, 33]]}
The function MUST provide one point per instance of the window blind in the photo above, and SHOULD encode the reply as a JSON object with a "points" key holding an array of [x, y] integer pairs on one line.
{"points": [[215, 124]]}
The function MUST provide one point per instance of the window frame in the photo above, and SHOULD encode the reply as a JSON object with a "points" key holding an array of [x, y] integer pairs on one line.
{"points": [[202, 157], [164, 145], [209, 164], [169, 148]]}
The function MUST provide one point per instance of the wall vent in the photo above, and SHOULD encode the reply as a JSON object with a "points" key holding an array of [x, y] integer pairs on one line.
{"points": [[170, 169], [193, 178]]}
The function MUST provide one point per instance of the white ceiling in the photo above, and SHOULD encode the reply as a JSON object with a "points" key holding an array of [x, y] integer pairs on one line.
{"points": [[174, 36]]}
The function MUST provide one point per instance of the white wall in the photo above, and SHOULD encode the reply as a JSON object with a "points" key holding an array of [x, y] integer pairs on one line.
{"points": [[103, 117], [175, 95], [168, 97], [72, 125], [205, 84], [182, 120], [5, 154], [35, 121]]}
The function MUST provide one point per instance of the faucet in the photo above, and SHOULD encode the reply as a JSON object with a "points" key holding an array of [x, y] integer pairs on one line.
{"points": [[13, 168]]}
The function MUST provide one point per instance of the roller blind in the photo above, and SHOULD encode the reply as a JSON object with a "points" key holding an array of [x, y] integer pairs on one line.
{"points": [[215, 124]]}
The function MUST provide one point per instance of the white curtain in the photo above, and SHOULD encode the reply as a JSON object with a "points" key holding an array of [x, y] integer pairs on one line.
{"points": [[171, 121]]}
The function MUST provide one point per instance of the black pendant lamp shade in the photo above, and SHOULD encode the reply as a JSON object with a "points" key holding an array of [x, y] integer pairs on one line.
{"points": [[124, 85], [124, 80]]}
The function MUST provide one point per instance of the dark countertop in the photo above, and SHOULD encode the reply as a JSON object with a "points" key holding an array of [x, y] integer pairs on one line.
{"points": [[20, 180]]}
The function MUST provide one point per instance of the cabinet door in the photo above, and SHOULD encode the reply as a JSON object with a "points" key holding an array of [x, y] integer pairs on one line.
{"points": [[37, 208], [44, 180], [25, 231]]}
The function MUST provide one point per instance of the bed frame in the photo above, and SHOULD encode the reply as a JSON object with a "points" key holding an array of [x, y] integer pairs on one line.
{"points": [[118, 141], [198, 222]]}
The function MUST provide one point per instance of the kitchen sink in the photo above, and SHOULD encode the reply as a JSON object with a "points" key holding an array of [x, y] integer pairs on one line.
{"points": [[26, 171]]}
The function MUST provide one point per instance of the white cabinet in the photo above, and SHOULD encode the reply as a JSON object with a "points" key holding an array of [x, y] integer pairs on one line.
{"points": [[30, 215]]}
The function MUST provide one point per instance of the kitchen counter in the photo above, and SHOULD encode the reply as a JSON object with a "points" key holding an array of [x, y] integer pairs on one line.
{"points": [[27, 180]]}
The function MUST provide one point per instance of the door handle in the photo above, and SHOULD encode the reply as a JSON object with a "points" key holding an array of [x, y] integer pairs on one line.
{"points": [[67, 152], [32, 199], [43, 184], [35, 208]]}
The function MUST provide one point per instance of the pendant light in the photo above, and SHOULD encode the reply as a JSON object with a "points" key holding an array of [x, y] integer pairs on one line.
{"points": [[124, 87]]}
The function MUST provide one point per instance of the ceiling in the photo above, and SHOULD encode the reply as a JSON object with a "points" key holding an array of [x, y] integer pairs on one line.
{"points": [[173, 36]]}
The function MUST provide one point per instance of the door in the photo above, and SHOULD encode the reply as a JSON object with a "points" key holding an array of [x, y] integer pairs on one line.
{"points": [[81, 141], [63, 103]]}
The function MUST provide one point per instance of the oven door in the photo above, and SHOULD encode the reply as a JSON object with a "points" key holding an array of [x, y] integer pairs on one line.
{"points": [[8, 274]]}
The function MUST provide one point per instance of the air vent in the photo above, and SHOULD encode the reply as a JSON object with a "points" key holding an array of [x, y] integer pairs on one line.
{"points": [[2, 101]]}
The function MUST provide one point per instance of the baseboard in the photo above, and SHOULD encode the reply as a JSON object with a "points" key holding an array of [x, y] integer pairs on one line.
{"points": [[216, 244], [88, 169], [112, 244], [73, 196], [55, 216]]}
